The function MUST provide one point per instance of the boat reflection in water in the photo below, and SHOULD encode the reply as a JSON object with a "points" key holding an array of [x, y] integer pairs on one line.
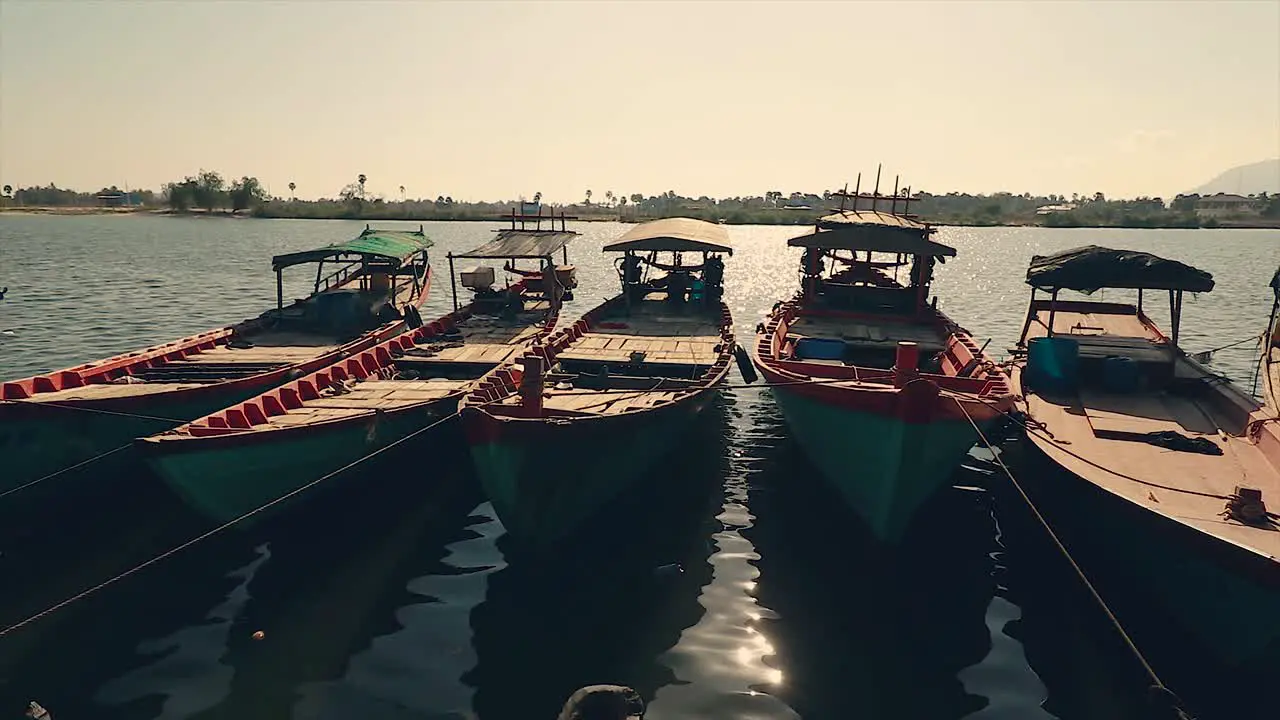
{"points": [[552, 624]]}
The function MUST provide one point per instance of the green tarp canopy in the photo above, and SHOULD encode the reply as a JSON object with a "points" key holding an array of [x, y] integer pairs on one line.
{"points": [[396, 246], [1089, 268]]}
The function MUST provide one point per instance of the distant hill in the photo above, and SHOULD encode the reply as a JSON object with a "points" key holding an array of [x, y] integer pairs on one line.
{"points": [[1245, 180]]}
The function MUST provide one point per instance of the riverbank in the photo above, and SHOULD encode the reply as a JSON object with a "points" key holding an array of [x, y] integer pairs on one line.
{"points": [[390, 213]]}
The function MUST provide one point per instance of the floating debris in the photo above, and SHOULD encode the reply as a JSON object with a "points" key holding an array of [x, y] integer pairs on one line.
{"points": [[258, 635]]}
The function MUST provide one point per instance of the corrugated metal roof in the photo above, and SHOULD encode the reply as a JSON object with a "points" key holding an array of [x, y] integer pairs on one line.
{"points": [[674, 234], [522, 244], [870, 218], [873, 239], [397, 245]]}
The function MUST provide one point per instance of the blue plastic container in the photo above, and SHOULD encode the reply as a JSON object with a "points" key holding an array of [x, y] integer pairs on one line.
{"points": [[812, 348], [1120, 375], [1053, 364]]}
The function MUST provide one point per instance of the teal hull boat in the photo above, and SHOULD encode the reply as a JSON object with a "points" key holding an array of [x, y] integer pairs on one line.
{"points": [[884, 467]]}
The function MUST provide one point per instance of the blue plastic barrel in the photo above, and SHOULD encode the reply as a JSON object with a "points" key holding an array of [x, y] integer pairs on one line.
{"points": [[812, 348], [1120, 375], [1053, 364]]}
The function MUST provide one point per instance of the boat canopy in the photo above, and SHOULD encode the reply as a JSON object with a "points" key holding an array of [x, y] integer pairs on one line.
{"points": [[675, 235], [517, 244], [1089, 268], [396, 246], [874, 231]]}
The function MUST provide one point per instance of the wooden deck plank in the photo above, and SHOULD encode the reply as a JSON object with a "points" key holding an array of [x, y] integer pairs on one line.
{"points": [[1119, 465]]}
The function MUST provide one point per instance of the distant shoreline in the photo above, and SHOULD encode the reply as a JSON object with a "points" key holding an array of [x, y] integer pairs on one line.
{"points": [[758, 219]]}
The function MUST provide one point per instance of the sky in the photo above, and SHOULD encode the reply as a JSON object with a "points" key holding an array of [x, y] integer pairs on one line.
{"points": [[493, 100]]}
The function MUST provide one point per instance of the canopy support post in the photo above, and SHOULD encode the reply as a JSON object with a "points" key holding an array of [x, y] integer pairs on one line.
{"points": [[453, 283], [1139, 300], [1026, 325], [1175, 313], [279, 293], [319, 269], [1053, 310]]}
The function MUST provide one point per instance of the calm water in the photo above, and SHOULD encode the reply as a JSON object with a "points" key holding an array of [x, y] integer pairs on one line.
{"points": [[396, 594]]}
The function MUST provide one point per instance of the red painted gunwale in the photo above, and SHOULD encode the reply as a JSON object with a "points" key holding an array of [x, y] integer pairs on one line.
{"points": [[871, 390], [234, 425], [487, 422], [106, 370]]}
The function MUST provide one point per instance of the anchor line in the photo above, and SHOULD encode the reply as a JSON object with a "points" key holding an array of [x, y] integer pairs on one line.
{"points": [[204, 536], [1158, 688], [67, 469]]}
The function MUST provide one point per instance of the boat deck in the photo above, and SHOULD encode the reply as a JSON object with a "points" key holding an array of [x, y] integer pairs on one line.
{"points": [[485, 341], [424, 374], [659, 334], [1104, 334], [270, 351], [1102, 437], [598, 403], [363, 398]]}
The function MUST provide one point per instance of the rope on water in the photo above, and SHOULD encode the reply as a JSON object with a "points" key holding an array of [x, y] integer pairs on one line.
{"points": [[68, 469], [1159, 692], [199, 538]]}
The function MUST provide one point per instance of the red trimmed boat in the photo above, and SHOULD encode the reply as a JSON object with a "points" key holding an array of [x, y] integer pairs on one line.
{"points": [[247, 455], [581, 417], [874, 381], [54, 421], [1160, 468]]}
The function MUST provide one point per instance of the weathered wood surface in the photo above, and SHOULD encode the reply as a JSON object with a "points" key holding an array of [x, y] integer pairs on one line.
{"points": [[663, 336], [1097, 437], [1101, 335], [366, 397], [108, 391]]}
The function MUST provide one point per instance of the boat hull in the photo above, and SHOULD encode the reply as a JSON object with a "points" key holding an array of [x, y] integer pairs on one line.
{"points": [[38, 441], [225, 477], [883, 466], [546, 478], [1222, 594]]}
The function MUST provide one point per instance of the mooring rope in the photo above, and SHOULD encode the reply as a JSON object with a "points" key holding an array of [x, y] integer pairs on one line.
{"points": [[204, 536], [62, 406], [67, 469], [1158, 689]]}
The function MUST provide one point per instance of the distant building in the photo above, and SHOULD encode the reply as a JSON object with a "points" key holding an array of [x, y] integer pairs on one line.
{"points": [[1051, 209], [1225, 204], [111, 199]]}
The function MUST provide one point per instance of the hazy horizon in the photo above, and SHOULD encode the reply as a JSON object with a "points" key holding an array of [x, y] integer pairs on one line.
{"points": [[489, 100]]}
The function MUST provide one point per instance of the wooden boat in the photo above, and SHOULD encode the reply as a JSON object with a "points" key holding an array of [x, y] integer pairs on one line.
{"points": [[253, 452], [54, 421], [1167, 467], [592, 410], [874, 381]]}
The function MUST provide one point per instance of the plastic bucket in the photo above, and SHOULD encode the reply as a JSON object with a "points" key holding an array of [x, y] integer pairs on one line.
{"points": [[1053, 364]]}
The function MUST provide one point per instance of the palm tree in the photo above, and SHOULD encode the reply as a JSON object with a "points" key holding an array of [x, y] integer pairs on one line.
{"points": [[361, 180], [401, 193], [588, 197], [293, 186], [537, 198], [8, 190], [608, 198]]}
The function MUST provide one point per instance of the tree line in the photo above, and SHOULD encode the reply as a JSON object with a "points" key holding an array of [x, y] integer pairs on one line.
{"points": [[208, 191]]}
